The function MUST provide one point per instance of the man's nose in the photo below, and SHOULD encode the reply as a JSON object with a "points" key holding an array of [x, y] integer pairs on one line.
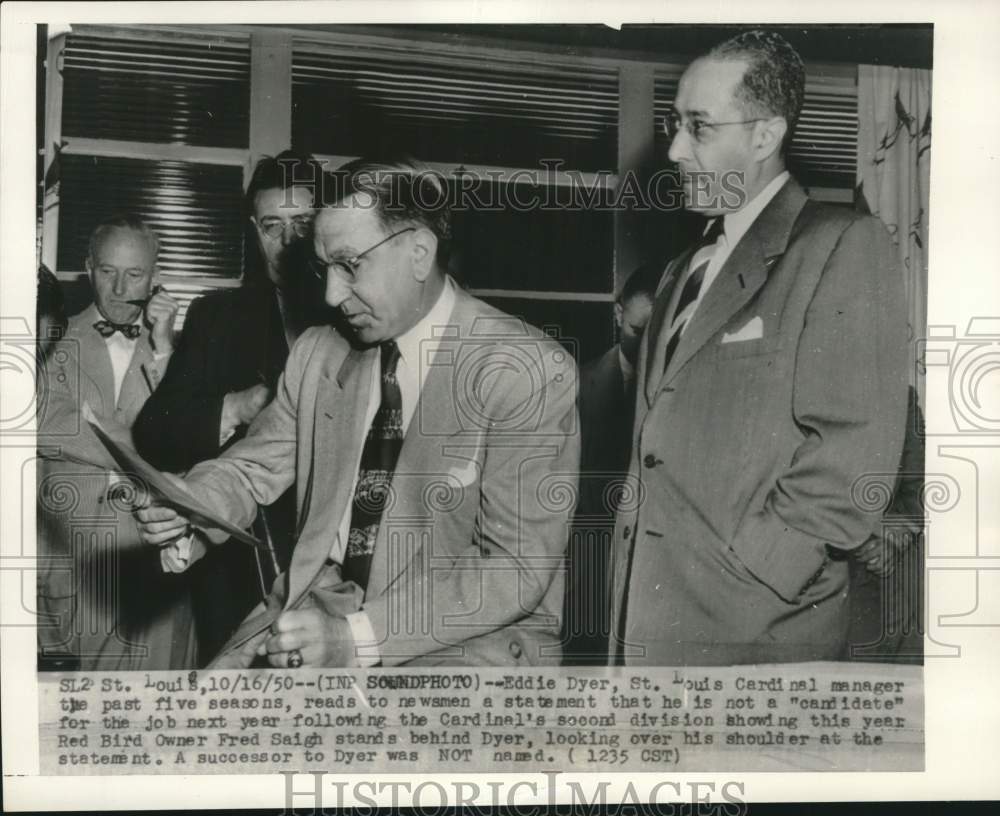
{"points": [[679, 146], [288, 234], [118, 287], [338, 289]]}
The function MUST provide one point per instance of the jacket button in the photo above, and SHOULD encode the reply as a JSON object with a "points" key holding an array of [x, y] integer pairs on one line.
{"points": [[515, 649], [627, 532], [651, 461]]}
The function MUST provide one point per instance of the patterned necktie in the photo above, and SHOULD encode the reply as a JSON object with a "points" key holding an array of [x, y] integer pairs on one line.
{"points": [[378, 462], [106, 328], [686, 303]]}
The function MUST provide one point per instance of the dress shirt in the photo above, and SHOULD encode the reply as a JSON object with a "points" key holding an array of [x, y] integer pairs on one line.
{"points": [[417, 345], [120, 350], [735, 225]]}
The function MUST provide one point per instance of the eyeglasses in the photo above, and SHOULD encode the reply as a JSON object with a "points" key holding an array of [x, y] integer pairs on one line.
{"points": [[697, 129], [274, 228], [349, 266]]}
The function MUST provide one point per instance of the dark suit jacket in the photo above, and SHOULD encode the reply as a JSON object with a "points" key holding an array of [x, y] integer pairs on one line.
{"points": [[232, 339], [750, 450], [606, 415]]}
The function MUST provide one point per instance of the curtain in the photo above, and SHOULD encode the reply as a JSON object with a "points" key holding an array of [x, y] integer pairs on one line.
{"points": [[893, 178]]}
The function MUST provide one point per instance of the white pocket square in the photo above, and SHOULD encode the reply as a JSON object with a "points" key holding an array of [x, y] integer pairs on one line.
{"points": [[753, 330], [465, 475]]}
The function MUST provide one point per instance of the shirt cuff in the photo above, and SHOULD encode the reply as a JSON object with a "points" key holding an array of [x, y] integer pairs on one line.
{"points": [[366, 647], [176, 556]]}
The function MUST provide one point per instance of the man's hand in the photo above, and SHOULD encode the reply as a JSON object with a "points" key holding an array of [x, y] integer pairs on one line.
{"points": [[159, 524], [878, 556], [160, 313], [242, 407], [322, 639]]}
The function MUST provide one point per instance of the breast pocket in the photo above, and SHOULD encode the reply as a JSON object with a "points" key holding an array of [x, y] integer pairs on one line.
{"points": [[738, 349]]}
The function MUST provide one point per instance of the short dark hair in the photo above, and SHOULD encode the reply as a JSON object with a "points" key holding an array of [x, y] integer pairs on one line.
{"points": [[129, 221], [288, 169], [774, 83], [405, 192], [643, 281]]}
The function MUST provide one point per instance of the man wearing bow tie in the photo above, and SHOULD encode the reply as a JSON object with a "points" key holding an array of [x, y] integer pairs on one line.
{"points": [[119, 603], [771, 383]]}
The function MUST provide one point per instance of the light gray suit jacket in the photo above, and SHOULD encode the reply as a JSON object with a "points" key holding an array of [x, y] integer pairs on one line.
{"points": [[468, 563], [104, 597], [753, 454]]}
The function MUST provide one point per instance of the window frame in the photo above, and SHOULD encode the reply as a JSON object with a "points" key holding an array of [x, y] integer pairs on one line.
{"points": [[270, 120]]}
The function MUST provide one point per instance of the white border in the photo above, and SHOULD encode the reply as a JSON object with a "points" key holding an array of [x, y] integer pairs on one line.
{"points": [[963, 709]]}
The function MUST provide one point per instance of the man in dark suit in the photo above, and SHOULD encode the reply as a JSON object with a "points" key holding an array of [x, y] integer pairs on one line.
{"points": [[434, 451], [231, 353], [772, 378], [607, 409]]}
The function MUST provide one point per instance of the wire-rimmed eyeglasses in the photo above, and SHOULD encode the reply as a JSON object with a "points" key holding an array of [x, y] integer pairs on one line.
{"points": [[349, 266], [698, 129], [274, 228]]}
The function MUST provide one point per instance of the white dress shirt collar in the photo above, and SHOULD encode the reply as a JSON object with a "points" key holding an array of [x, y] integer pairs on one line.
{"points": [[427, 329], [737, 223]]}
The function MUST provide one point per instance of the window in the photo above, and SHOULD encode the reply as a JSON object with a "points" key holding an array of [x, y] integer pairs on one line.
{"points": [[161, 120], [157, 123]]}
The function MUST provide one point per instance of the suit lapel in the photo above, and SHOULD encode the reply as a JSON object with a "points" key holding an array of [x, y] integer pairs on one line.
{"points": [[740, 278], [435, 418], [95, 362], [651, 363], [743, 273], [341, 405], [140, 377]]}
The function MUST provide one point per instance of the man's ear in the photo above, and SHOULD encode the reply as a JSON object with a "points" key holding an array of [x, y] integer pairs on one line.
{"points": [[619, 314], [770, 134], [424, 250]]}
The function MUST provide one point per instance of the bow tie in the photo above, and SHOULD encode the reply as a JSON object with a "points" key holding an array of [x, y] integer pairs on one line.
{"points": [[106, 328]]}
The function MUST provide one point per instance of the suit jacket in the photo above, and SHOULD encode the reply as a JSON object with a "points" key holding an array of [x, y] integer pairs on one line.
{"points": [[233, 339], [104, 598], [606, 419], [606, 415], [468, 560], [750, 452]]}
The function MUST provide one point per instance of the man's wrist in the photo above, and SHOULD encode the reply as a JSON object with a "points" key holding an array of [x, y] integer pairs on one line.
{"points": [[365, 645]]}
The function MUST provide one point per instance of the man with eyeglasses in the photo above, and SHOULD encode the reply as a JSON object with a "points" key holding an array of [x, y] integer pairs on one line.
{"points": [[771, 382], [434, 445], [224, 371]]}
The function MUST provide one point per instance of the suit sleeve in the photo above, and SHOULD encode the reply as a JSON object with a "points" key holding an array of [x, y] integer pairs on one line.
{"points": [[261, 466], [849, 401], [516, 551], [179, 424]]}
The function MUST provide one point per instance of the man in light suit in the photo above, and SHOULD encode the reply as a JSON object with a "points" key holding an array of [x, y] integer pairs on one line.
{"points": [[118, 604], [434, 454], [771, 383]]}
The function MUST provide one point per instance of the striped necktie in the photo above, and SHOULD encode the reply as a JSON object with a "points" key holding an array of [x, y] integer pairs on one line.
{"points": [[375, 471], [688, 299]]}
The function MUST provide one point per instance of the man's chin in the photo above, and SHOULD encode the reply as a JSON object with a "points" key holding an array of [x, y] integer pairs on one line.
{"points": [[118, 315]]}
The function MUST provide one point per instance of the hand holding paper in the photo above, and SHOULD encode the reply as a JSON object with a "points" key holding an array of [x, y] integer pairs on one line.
{"points": [[170, 507]]}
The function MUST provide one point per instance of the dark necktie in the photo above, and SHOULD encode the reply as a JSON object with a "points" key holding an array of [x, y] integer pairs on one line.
{"points": [[700, 259], [378, 462], [106, 328]]}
